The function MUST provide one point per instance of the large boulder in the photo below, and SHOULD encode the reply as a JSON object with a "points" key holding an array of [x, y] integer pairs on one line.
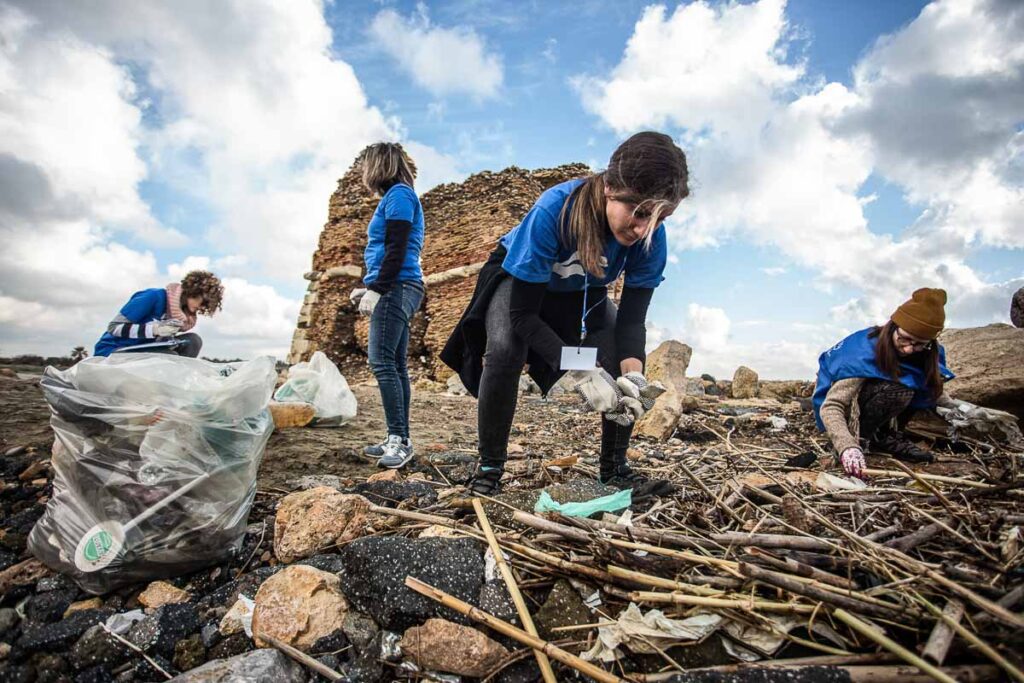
{"points": [[375, 568], [666, 364], [298, 606], [440, 645], [989, 366], [1017, 308], [745, 383], [308, 521]]}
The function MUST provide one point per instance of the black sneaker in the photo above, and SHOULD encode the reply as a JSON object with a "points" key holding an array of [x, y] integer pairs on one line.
{"points": [[901, 448], [626, 478], [485, 482]]}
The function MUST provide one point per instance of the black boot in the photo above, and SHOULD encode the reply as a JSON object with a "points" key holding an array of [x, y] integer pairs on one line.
{"points": [[900, 447], [486, 481]]}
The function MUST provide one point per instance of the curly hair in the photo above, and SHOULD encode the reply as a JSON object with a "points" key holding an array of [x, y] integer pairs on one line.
{"points": [[207, 285]]}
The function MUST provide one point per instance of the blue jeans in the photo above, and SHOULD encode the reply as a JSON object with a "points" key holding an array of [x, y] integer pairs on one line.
{"points": [[387, 348]]}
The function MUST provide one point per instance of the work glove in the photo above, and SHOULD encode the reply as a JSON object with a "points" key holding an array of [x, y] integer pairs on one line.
{"points": [[598, 389], [164, 328], [356, 295], [638, 396], [853, 462], [368, 302]]}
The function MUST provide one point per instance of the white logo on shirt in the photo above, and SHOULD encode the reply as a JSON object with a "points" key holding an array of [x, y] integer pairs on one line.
{"points": [[572, 266]]}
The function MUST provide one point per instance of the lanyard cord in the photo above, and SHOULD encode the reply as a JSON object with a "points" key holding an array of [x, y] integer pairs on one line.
{"points": [[587, 311]]}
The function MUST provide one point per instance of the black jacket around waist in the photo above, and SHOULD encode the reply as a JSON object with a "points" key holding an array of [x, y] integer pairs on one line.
{"points": [[464, 350]]}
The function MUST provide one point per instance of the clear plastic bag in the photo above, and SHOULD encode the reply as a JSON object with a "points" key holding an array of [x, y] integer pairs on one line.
{"points": [[320, 383], [155, 465]]}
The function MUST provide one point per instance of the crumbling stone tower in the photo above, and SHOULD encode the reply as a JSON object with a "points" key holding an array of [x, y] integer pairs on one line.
{"points": [[463, 223]]}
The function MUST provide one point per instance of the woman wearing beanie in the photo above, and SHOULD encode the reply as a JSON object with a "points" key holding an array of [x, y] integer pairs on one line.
{"points": [[878, 376]]}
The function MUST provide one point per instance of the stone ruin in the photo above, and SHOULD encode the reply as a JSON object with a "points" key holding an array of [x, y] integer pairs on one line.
{"points": [[463, 224]]}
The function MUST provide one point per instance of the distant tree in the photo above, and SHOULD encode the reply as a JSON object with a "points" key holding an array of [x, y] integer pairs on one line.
{"points": [[78, 353]]}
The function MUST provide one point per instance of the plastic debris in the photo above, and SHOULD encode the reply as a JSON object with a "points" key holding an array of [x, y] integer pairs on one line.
{"points": [[611, 503], [646, 633], [320, 383]]}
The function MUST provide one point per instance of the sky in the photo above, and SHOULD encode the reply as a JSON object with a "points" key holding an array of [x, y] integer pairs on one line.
{"points": [[841, 154]]}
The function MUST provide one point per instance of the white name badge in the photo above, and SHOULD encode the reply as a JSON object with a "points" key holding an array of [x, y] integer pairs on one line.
{"points": [[579, 358]]}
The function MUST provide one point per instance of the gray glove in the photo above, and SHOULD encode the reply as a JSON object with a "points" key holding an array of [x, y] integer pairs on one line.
{"points": [[164, 328], [598, 389], [356, 295], [368, 303], [638, 396]]}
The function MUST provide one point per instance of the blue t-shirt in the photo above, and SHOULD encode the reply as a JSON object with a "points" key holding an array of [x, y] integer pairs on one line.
{"points": [[399, 203], [537, 254]]}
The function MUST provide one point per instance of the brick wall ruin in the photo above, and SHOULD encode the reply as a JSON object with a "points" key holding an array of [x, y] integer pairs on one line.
{"points": [[463, 223]]}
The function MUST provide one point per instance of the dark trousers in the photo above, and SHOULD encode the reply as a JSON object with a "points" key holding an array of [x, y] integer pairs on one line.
{"points": [[504, 359], [881, 402], [387, 349]]}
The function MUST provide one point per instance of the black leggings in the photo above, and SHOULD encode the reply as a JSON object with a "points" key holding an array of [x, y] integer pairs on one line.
{"points": [[504, 359], [881, 402]]}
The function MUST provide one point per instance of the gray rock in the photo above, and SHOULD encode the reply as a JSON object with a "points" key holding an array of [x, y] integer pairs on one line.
{"points": [[189, 653], [161, 630], [373, 577], [564, 607], [231, 646], [258, 665], [210, 634], [359, 629], [312, 481], [50, 668]]}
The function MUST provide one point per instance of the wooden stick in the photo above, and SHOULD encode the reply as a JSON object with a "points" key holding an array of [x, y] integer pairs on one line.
{"points": [[729, 512], [773, 541], [896, 612], [511, 631], [929, 477], [721, 603], [941, 637], [974, 640], [650, 535], [513, 589], [302, 658], [872, 633], [788, 564], [658, 582], [915, 538], [931, 489], [996, 610]]}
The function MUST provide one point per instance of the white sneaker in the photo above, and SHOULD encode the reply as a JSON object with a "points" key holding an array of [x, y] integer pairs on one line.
{"points": [[397, 452]]}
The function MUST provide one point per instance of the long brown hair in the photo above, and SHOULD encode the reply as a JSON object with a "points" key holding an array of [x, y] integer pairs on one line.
{"points": [[386, 164], [647, 170], [888, 358]]}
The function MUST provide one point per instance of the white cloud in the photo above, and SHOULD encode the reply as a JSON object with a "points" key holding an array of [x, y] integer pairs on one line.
{"points": [[444, 61], [778, 160], [772, 271]]}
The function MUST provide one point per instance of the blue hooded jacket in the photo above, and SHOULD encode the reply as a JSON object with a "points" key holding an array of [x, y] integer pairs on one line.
{"points": [[855, 357]]}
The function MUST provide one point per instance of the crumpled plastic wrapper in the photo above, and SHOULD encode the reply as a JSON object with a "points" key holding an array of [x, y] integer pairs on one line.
{"points": [[984, 420], [644, 633]]}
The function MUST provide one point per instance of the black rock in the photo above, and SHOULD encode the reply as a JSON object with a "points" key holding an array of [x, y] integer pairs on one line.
{"points": [[231, 646], [97, 648], [359, 629], [50, 668], [495, 600], [144, 671], [391, 493], [247, 585], [49, 607], [713, 390], [96, 674], [327, 563], [14, 541], [15, 595], [375, 568], [368, 667], [805, 674], [7, 559], [708, 378], [332, 642], [22, 522], [159, 631], [60, 636], [17, 673], [56, 582], [523, 671]]}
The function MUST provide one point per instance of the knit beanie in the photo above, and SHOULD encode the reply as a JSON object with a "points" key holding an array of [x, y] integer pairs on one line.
{"points": [[923, 316]]}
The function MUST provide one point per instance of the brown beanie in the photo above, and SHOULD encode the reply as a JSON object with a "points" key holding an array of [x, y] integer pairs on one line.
{"points": [[923, 316]]}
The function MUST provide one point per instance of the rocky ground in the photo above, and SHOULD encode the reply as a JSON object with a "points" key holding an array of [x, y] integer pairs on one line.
{"points": [[325, 564]]}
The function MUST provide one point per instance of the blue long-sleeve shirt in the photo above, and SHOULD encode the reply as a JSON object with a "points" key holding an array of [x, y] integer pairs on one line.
{"points": [[134, 323]]}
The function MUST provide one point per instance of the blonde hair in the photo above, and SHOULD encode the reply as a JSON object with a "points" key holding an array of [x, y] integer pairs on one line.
{"points": [[647, 170], [386, 164]]}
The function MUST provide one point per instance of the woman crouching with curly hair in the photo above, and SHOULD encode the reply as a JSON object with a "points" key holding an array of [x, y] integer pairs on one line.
{"points": [[158, 320]]}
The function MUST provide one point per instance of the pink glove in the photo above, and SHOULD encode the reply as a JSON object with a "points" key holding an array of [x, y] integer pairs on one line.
{"points": [[853, 462]]}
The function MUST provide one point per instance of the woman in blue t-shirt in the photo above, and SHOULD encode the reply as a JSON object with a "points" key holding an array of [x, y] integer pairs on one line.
{"points": [[394, 288], [531, 295]]}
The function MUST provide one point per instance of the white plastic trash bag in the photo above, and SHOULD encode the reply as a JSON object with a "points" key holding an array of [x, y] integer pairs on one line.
{"points": [[320, 383], [156, 469]]}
